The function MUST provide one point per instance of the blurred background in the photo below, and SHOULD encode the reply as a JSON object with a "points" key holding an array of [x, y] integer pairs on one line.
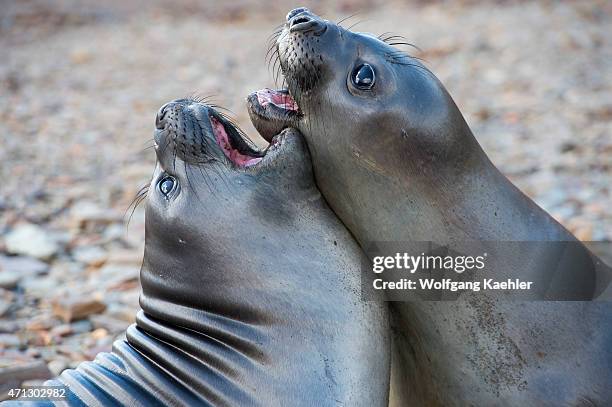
{"points": [[81, 81]]}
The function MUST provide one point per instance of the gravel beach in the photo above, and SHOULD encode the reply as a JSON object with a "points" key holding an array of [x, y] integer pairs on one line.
{"points": [[80, 84]]}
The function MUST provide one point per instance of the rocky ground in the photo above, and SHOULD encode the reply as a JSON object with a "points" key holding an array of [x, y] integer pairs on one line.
{"points": [[80, 84]]}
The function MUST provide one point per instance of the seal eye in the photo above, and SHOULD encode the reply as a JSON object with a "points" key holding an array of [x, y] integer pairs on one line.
{"points": [[363, 77], [166, 185]]}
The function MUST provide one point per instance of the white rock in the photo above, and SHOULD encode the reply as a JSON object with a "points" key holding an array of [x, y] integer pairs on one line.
{"points": [[4, 307], [9, 279], [39, 286], [23, 265], [90, 255], [31, 240], [57, 366]]}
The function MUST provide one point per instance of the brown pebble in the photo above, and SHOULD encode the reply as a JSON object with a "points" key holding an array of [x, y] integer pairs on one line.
{"points": [[73, 308]]}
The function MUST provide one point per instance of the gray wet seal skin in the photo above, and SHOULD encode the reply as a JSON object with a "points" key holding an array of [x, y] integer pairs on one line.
{"points": [[396, 161], [250, 284]]}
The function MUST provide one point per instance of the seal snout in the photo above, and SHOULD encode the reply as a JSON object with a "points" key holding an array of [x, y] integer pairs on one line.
{"points": [[302, 20], [196, 132]]}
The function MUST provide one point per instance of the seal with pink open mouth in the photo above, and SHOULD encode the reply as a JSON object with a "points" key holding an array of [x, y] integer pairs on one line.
{"points": [[395, 159], [242, 256], [271, 111]]}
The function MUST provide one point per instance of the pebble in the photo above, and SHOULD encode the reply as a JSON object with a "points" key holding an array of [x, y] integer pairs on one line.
{"points": [[86, 213], [23, 265], [9, 340], [31, 240], [90, 255], [117, 277], [61, 330], [57, 366], [4, 307], [84, 325], [39, 286], [108, 323], [125, 257], [77, 307], [8, 326], [9, 279], [99, 333], [41, 322], [13, 376]]}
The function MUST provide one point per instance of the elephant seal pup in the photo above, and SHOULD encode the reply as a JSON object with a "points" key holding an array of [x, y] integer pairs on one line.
{"points": [[250, 284], [396, 161]]}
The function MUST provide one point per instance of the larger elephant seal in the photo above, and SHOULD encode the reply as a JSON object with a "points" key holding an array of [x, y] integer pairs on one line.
{"points": [[250, 284], [396, 161]]}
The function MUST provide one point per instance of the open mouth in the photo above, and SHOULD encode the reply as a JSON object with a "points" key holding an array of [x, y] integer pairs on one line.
{"points": [[271, 111], [236, 146], [197, 131], [279, 98]]}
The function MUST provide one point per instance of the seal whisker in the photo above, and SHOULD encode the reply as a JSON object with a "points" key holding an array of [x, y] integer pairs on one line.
{"points": [[355, 24], [405, 43], [277, 29], [168, 141], [274, 37], [397, 56], [420, 68], [200, 98], [278, 66], [174, 157], [206, 179], [272, 49], [396, 39], [221, 110], [210, 188], [386, 35], [276, 70], [271, 54], [275, 66], [140, 196], [221, 172], [339, 23]]}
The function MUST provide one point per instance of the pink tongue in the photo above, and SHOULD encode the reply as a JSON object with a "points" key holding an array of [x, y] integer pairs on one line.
{"points": [[223, 140], [282, 100]]}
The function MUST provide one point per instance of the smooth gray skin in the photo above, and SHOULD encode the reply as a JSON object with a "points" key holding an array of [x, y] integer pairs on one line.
{"points": [[399, 163], [250, 287]]}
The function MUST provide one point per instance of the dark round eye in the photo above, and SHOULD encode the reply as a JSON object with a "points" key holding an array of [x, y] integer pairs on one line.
{"points": [[166, 185], [363, 76]]}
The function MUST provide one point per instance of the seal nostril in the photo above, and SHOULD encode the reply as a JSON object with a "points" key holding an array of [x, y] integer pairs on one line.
{"points": [[295, 12], [302, 19], [299, 20], [303, 23]]}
